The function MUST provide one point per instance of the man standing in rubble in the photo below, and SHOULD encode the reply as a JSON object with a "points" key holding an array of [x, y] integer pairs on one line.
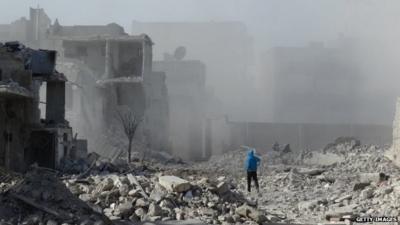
{"points": [[252, 162]]}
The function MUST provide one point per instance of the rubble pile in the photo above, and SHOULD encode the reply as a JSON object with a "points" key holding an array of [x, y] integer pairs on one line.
{"points": [[8, 179], [233, 162], [134, 194], [339, 182], [40, 198], [158, 195], [343, 180]]}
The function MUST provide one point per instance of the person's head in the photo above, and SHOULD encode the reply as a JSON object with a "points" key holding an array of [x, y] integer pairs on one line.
{"points": [[251, 152]]}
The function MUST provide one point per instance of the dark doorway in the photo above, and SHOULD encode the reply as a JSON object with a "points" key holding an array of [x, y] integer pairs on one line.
{"points": [[43, 148]]}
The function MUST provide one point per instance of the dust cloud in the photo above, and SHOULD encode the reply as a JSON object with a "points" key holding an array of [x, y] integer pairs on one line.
{"points": [[292, 62]]}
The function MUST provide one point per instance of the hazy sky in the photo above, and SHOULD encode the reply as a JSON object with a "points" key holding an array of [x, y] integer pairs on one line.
{"points": [[271, 22]]}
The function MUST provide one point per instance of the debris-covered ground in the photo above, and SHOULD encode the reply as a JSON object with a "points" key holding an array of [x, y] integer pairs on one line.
{"points": [[106, 193], [343, 180]]}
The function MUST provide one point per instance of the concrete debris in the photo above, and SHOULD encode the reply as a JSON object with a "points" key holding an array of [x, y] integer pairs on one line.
{"points": [[173, 183], [357, 180], [340, 212], [250, 212], [222, 188], [41, 196], [213, 192], [360, 186], [372, 177], [133, 194], [366, 193]]}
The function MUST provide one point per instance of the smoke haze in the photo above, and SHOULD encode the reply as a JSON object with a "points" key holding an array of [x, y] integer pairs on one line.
{"points": [[370, 24]]}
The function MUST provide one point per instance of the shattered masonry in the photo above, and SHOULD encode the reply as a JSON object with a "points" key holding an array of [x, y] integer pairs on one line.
{"points": [[110, 72], [25, 137]]}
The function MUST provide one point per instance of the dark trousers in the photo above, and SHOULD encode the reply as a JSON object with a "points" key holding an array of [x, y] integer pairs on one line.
{"points": [[251, 175]]}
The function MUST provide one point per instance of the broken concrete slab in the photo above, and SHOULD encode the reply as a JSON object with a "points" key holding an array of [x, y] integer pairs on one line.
{"points": [[371, 177], [251, 213], [340, 212], [158, 193], [174, 184], [307, 205]]}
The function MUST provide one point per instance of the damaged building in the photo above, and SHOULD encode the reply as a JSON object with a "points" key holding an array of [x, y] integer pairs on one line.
{"points": [[187, 94], [119, 64], [25, 137], [110, 73], [106, 69]]}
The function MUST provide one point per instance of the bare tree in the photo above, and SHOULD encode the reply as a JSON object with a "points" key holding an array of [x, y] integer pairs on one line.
{"points": [[130, 123]]}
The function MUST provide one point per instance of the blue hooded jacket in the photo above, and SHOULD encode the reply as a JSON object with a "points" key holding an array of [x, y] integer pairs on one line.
{"points": [[252, 161]]}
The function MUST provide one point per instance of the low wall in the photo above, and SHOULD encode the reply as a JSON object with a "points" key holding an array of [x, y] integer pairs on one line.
{"points": [[304, 136]]}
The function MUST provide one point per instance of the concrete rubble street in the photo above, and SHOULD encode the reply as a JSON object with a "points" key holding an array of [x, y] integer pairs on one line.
{"points": [[167, 121], [304, 188], [133, 193], [213, 192]]}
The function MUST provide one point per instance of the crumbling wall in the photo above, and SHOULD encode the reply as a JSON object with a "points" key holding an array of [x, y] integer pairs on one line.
{"points": [[394, 153], [15, 112], [25, 137], [107, 74], [13, 139], [303, 136], [90, 53]]}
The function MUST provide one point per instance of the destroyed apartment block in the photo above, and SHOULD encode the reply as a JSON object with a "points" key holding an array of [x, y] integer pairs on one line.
{"points": [[112, 72], [115, 59], [106, 68], [25, 137]]}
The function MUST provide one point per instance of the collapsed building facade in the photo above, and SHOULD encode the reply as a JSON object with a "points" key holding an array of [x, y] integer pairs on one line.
{"points": [[25, 137], [114, 72], [106, 69]]}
